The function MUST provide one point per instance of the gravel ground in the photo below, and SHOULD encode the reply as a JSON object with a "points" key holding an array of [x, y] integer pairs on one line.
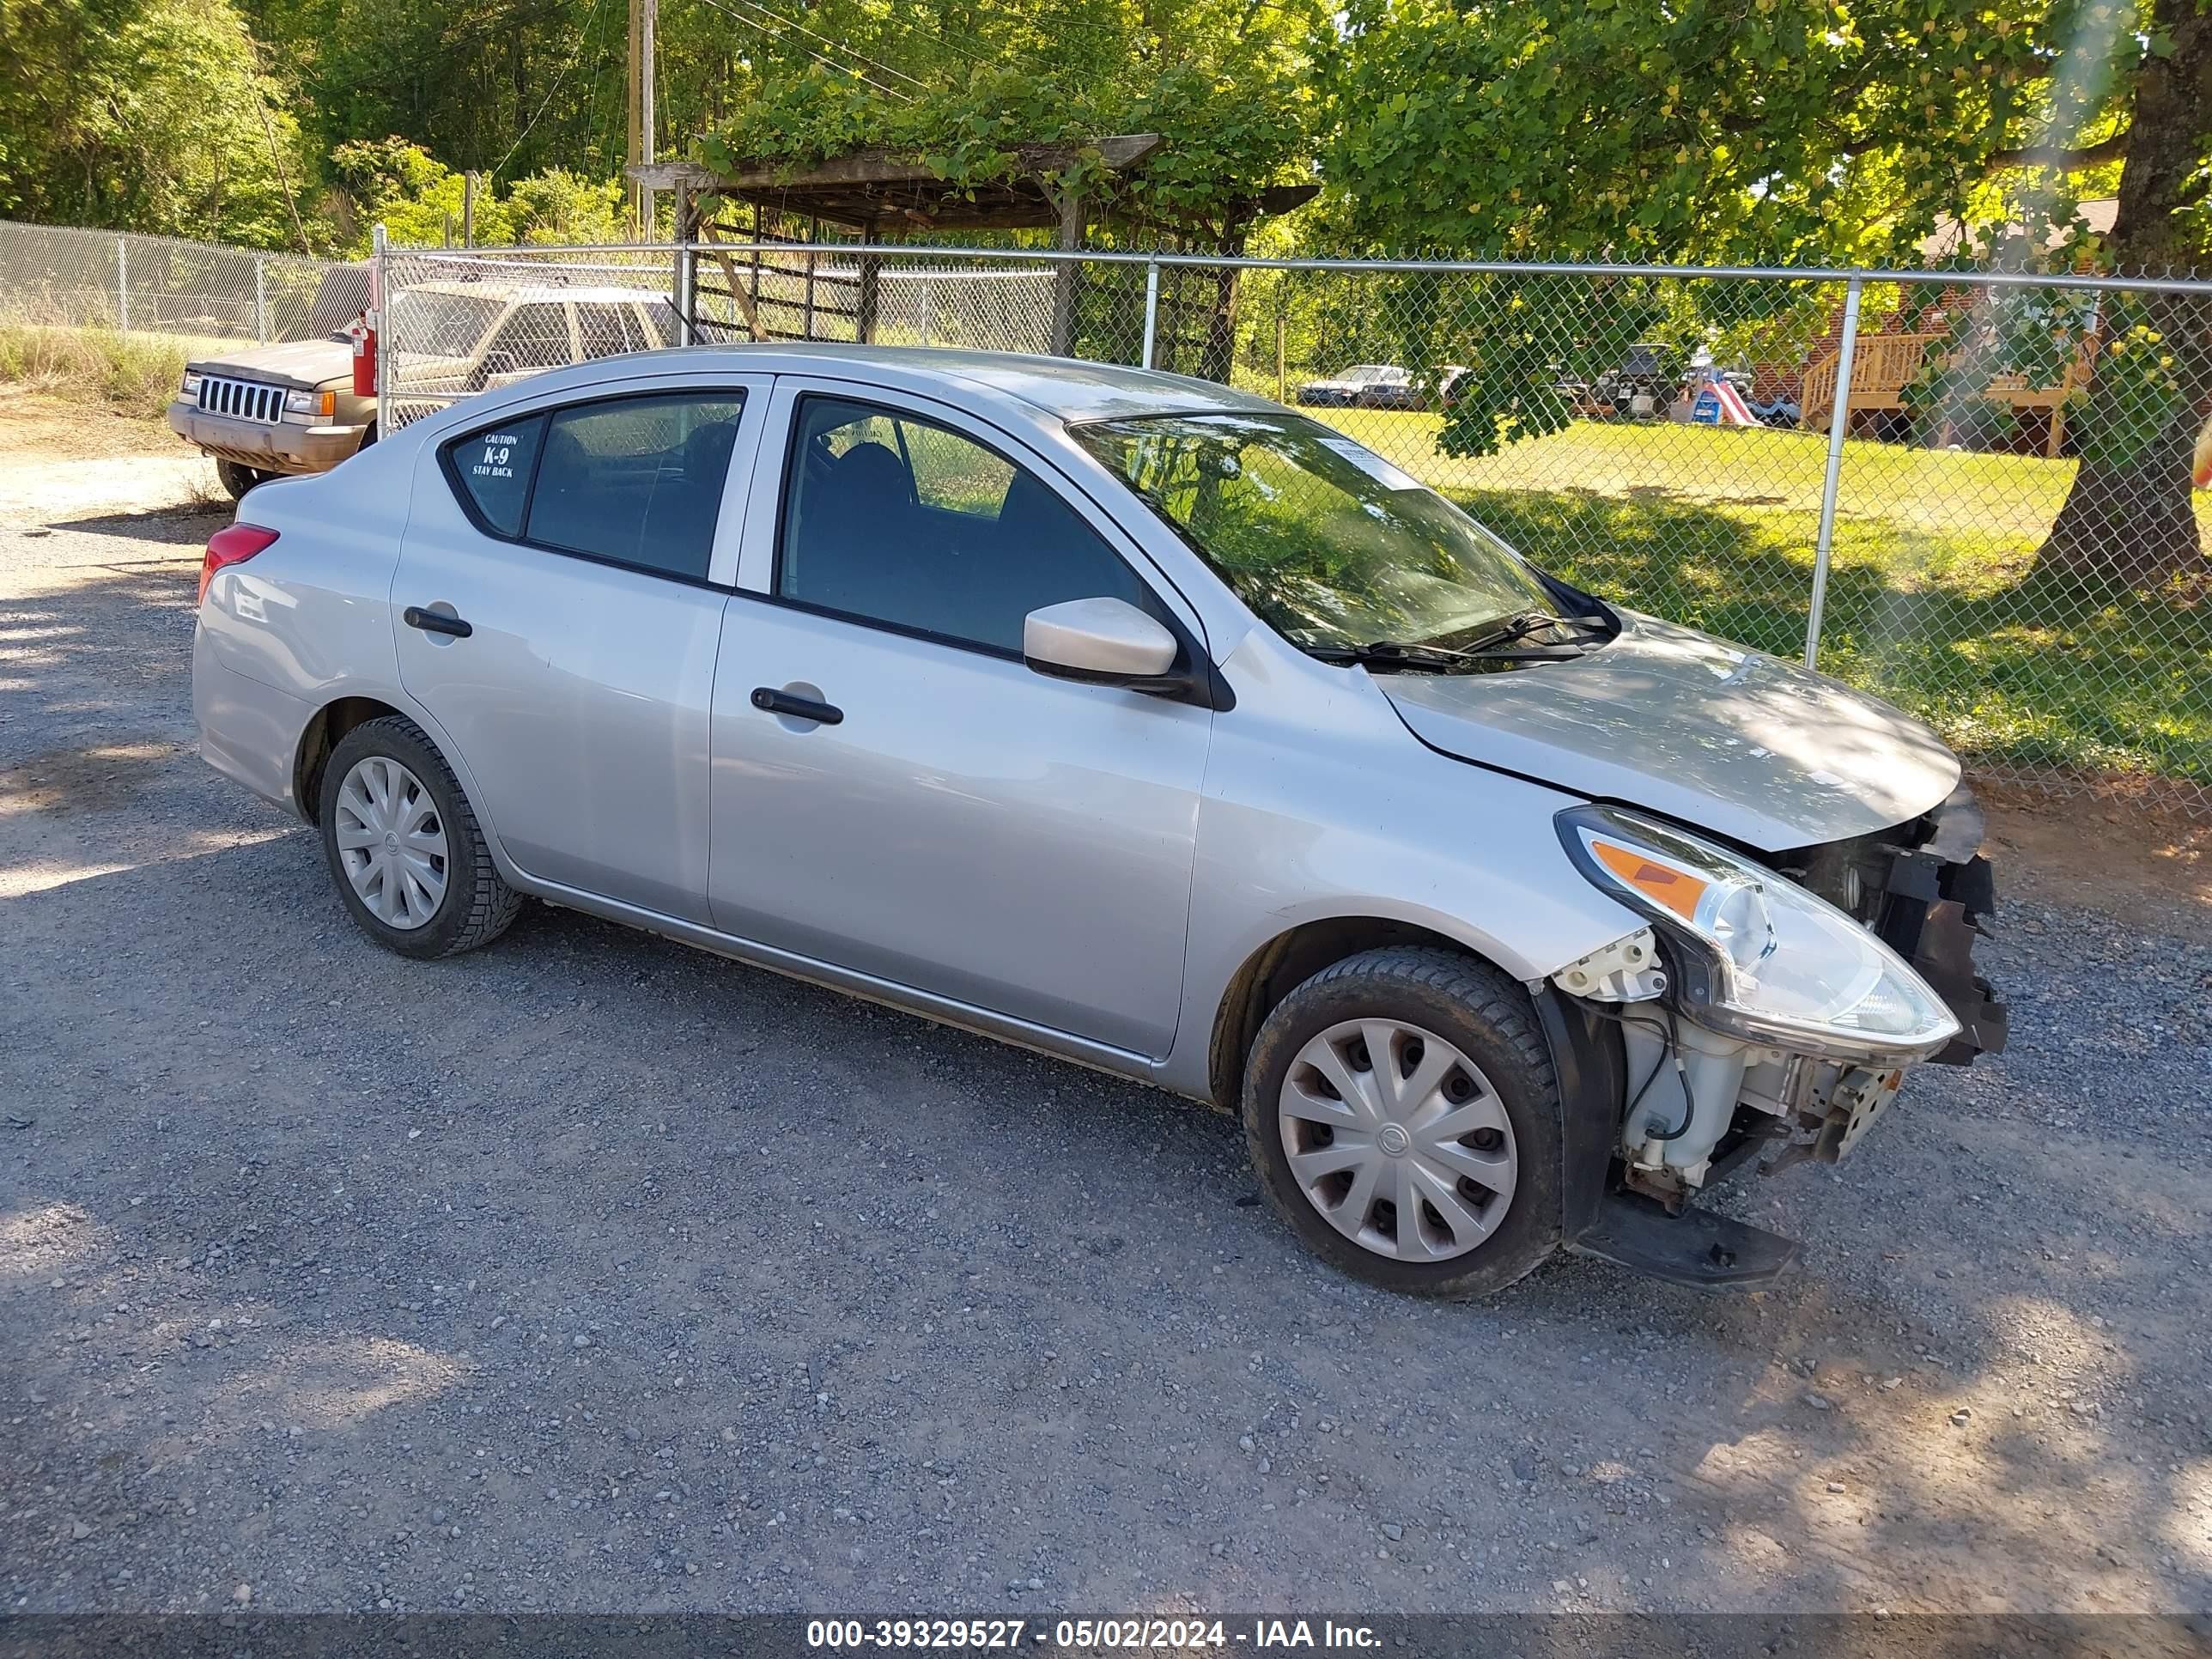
{"points": [[590, 1271]]}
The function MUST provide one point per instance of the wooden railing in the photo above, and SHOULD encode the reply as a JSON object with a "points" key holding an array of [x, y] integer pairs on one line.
{"points": [[1882, 366]]}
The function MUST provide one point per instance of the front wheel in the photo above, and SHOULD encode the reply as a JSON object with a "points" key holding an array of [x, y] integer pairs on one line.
{"points": [[235, 479], [1403, 1115], [404, 844]]}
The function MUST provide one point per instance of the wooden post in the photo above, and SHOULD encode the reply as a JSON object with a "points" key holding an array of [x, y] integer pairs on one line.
{"points": [[468, 208], [1067, 275], [687, 269], [864, 320], [813, 236]]}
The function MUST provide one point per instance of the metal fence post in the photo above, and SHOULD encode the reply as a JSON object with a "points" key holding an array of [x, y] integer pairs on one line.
{"points": [[379, 307], [122, 284], [687, 267], [1839, 423], [1151, 309], [260, 300]]}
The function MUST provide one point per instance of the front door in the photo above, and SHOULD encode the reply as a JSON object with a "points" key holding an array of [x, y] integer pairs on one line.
{"points": [[915, 804], [558, 609]]}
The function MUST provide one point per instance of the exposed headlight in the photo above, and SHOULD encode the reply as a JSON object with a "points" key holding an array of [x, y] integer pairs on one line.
{"points": [[191, 387], [310, 403], [1760, 957]]}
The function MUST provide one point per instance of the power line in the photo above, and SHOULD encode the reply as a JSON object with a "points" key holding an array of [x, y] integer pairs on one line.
{"points": [[850, 52], [781, 22]]}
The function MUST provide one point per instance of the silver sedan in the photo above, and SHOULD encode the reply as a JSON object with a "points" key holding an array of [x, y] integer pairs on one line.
{"points": [[1142, 721]]}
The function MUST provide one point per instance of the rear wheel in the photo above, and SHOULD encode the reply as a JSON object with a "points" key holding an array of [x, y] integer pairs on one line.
{"points": [[237, 479], [1402, 1112], [404, 844]]}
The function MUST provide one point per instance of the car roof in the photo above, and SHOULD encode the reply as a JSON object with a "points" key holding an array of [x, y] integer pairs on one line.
{"points": [[1058, 385], [536, 293]]}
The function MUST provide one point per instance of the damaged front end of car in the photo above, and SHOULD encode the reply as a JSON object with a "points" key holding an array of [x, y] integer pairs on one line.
{"points": [[1767, 1012]]}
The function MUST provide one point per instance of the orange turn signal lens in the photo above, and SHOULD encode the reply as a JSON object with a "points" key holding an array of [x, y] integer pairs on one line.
{"points": [[1661, 884]]}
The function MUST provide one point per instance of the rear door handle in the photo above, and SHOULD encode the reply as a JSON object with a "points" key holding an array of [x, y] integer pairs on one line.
{"points": [[771, 701], [435, 621]]}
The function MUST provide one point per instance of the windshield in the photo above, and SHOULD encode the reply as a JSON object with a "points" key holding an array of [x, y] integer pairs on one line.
{"points": [[1330, 545]]}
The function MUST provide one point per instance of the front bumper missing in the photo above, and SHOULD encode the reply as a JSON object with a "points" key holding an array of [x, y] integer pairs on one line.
{"points": [[1597, 1216], [1937, 896], [1928, 892]]}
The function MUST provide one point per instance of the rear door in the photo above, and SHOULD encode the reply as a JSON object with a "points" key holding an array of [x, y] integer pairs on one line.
{"points": [[558, 608]]}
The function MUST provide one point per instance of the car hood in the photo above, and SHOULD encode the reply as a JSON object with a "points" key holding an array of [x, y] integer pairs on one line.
{"points": [[306, 364], [1736, 742]]}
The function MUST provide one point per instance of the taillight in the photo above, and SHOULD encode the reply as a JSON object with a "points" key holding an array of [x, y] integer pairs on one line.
{"points": [[233, 545]]}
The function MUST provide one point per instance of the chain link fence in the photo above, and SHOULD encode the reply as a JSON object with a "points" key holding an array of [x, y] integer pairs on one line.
{"points": [[55, 276], [1978, 495]]}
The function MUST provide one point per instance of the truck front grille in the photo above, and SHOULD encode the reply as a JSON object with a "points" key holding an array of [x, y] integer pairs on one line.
{"points": [[242, 400]]}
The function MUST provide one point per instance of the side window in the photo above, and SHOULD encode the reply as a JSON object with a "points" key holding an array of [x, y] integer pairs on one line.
{"points": [[534, 336], [890, 518], [636, 480], [608, 330], [493, 468]]}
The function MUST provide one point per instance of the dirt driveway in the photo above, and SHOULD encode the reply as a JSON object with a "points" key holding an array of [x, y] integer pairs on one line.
{"points": [[592, 1273]]}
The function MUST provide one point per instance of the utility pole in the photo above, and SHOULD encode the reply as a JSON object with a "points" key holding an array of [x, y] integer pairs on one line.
{"points": [[644, 22], [631, 152]]}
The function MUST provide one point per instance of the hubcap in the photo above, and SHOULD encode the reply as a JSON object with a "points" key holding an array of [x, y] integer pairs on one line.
{"points": [[1398, 1139], [391, 842]]}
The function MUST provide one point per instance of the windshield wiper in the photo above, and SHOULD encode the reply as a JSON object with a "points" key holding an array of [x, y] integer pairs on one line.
{"points": [[1522, 624], [1402, 654]]}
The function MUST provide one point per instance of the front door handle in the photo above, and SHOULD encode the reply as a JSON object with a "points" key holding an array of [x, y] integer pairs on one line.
{"points": [[435, 621], [771, 701]]}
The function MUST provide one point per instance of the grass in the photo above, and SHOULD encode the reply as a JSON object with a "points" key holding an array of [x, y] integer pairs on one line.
{"points": [[132, 374], [1934, 598]]}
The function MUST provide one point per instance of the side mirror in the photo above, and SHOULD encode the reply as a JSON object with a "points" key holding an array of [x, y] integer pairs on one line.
{"points": [[1105, 642]]}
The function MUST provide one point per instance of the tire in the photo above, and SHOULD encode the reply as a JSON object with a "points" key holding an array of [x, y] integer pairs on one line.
{"points": [[237, 479], [473, 906], [1488, 1020]]}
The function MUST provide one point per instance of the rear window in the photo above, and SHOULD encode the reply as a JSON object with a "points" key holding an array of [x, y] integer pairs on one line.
{"points": [[493, 469], [637, 481], [436, 324]]}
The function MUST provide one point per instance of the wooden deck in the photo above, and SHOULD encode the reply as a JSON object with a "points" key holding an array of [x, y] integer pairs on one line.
{"points": [[1885, 366]]}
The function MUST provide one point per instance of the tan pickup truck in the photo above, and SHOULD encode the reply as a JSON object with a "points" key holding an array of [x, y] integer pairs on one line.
{"points": [[267, 410]]}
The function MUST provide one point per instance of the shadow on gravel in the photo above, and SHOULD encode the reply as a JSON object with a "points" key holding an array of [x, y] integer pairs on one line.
{"points": [[193, 522], [102, 653]]}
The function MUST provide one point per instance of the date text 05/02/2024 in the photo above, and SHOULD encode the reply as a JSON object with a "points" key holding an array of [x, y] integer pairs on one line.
{"points": [[1138, 1635]]}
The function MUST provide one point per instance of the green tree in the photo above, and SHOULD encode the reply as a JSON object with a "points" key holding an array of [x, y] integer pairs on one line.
{"points": [[417, 198], [144, 115], [1807, 131]]}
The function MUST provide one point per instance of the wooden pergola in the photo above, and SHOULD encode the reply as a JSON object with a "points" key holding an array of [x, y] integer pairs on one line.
{"points": [[887, 196]]}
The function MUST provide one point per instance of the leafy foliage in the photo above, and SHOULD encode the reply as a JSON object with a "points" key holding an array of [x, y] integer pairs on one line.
{"points": [[143, 115], [1776, 131], [1224, 84]]}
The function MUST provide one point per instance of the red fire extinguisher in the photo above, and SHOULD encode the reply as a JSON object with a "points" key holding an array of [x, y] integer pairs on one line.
{"points": [[363, 332]]}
